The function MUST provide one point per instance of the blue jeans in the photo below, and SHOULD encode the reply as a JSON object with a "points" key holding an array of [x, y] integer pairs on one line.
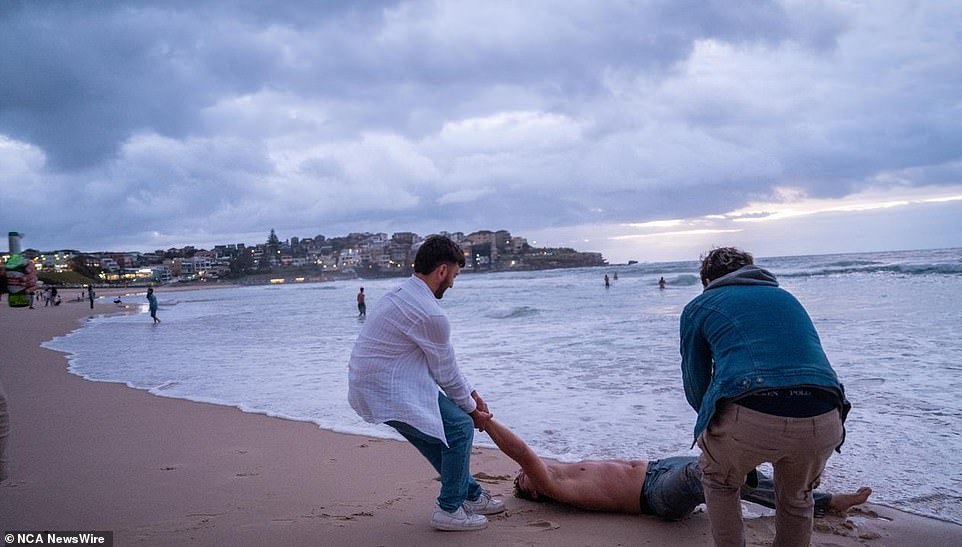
{"points": [[452, 462], [673, 488]]}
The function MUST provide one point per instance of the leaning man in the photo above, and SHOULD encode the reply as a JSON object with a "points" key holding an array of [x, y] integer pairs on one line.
{"points": [[402, 356], [755, 372]]}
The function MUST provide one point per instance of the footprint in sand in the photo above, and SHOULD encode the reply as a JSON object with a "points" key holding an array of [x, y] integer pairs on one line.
{"points": [[491, 479], [542, 525], [344, 520], [871, 513], [202, 520], [862, 528]]}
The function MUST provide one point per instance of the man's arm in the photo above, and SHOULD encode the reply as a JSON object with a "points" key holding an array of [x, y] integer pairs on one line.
{"points": [[432, 335], [517, 450], [696, 359]]}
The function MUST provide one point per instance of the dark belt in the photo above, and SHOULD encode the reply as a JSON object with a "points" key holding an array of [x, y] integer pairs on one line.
{"points": [[804, 402]]}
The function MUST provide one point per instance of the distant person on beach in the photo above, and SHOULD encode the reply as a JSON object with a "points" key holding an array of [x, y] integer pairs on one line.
{"points": [[152, 301], [669, 488], [4, 432], [403, 354], [361, 306], [90, 295], [607, 281], [755, 372], [662, 283]]}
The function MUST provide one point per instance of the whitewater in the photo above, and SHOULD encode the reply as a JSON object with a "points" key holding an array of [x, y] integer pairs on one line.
{"points": [[578, 370]]}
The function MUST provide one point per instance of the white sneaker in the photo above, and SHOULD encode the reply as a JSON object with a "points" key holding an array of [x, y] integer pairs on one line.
{"points": [[457, 521], [484, 505]]}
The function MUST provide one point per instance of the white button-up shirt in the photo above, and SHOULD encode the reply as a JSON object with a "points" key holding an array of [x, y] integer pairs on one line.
{"points": [[402, 355]]}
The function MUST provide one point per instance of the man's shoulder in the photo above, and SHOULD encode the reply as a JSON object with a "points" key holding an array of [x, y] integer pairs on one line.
{"points": [[415, 302], [696, 303]]}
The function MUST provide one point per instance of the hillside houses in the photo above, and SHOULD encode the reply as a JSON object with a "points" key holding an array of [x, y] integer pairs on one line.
{"points": [[359, 254]]}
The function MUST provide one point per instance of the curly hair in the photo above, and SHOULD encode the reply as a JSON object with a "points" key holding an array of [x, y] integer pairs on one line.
{"points": [[437, 250], [722, 261], [530, 495]]}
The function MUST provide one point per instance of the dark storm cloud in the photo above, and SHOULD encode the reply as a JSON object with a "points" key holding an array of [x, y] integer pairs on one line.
{"points": [[219, 119], [83, 76]]}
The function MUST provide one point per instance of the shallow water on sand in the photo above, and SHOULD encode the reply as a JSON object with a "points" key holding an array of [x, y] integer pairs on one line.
{"points": [[578, 370]]}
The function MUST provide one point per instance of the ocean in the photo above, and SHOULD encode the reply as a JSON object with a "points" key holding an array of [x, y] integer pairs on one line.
{"points": [[577, 370]]}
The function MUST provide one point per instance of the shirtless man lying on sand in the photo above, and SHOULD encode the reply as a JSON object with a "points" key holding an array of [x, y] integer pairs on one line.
{"points": [[669, 488]]}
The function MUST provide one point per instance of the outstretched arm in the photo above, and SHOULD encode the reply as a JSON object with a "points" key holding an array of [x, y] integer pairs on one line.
{"points": [[517, 450]]}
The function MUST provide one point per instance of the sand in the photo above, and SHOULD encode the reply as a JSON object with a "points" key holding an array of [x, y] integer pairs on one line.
{"points": [[158, 471]]}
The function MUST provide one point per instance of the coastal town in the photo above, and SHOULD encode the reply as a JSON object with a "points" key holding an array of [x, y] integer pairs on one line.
{"points": [[297, 259]]}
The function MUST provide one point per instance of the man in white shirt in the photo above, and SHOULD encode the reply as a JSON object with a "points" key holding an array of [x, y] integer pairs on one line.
{"points": [[403, 354]]}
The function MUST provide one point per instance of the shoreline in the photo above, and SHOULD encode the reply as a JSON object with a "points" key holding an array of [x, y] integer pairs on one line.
{"points": [[156, 470]]}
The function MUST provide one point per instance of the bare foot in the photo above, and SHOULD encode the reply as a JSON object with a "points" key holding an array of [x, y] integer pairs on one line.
{"points": [[842, 502]]}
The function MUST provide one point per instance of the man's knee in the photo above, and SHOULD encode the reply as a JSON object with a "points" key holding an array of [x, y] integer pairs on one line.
{"points": [[796, 503]]}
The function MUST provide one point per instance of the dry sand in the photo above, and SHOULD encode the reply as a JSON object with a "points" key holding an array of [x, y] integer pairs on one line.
{"points": [[158, 471]]}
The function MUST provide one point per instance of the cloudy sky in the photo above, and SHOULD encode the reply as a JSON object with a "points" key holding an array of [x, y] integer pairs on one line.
{"points": [[641, 129]]}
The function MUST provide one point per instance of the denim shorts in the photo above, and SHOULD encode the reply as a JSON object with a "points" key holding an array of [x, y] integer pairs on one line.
{"points": [[672, 487]]}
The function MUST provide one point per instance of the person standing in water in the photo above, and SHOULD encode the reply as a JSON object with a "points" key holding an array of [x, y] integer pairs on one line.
{"points": [[361, 306], [152, 300]]}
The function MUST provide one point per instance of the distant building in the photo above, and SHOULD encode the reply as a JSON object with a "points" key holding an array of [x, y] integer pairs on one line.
{"points": [[404, 237], [457, 237], [517, 244], [501, 240], [57, 261]]}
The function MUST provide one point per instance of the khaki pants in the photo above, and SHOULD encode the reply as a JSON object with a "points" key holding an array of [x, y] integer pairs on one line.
{"points": [[737, 440]]}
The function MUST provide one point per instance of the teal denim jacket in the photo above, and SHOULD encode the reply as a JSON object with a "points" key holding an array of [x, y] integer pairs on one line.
{"points": [[745, 334]]}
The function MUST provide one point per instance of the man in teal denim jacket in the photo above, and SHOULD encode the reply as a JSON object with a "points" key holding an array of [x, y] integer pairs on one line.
{"points": [[754, 370]]}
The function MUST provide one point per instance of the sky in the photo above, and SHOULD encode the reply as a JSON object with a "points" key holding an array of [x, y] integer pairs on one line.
{"points": [[645, 130]]}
